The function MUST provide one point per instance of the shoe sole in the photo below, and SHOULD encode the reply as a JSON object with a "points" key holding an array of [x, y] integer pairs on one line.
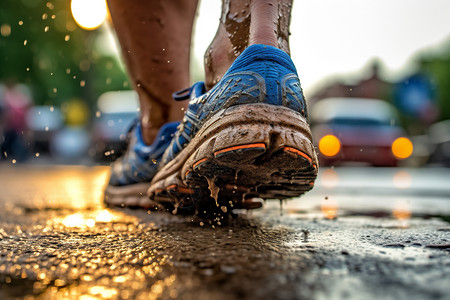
{"points": [[133, 195], [246, 151]]}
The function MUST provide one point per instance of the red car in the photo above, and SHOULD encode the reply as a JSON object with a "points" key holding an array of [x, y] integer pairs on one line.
{"points": [[358, 130]]}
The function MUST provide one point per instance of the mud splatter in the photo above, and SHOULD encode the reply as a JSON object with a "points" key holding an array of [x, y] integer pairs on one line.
{"points": [[214, 189]]}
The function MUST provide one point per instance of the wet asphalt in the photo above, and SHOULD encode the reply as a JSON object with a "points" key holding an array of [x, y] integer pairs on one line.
{"points": [[360, 234]]}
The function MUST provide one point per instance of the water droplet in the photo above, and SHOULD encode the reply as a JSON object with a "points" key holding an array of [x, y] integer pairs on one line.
{"points": [[82, 83], [20, 23], [68, 71], [55, 90], [25, 42], [28, 69], [98, 114], [46, 28], [37, 154], [13, 161], [67, 37], [52, 109], [53, 17], [44, 17], [46, 128], [168, 61]]}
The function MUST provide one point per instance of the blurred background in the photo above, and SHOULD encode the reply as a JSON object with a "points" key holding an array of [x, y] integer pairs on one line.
{"points": [[375, 74]]}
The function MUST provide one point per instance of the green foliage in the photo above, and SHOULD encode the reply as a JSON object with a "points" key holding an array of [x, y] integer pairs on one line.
{"points": [[41, 45], [438, 68]]}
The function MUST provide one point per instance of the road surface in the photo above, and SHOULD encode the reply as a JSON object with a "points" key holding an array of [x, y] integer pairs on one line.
{"points": [[362, 233]]}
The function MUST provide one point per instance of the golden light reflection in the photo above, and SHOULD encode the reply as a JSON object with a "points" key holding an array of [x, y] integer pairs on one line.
{"points": [[75, 220], [120, 279], [402, 180], [329, 178], [329, 208], [104, 216], [402, 210], [89, 14], [104, 292], [159, 286], [90, 219], [402, 148], [329, 145]]}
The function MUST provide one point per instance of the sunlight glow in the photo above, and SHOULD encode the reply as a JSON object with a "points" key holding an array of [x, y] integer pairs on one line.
{"points": [[89, 14], [75, 220]]}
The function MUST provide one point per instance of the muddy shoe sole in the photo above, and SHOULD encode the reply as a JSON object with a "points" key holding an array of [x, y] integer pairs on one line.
{"points": [[245, 151], [133, 195]]}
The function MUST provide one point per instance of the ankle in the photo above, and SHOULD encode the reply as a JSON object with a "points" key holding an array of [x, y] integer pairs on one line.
{"points": [[218, 58], [245, 23]]}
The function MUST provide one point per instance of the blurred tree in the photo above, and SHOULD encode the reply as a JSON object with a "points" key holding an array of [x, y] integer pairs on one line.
{"points": [[41, 45], [437, 66]]}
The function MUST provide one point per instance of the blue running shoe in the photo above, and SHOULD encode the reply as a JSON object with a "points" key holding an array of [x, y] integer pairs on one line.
{"points": [[131, 174], [248, 137]]}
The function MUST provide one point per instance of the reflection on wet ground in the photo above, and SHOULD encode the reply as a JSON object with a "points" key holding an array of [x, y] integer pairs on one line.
{"points": [[349, 238]]}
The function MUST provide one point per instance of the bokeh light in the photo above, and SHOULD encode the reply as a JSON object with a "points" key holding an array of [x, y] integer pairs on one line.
{"points": [[329, 208], [402, 148], [329, 178], [402, 210], [89, 14], [329, 145], [402, 180]]}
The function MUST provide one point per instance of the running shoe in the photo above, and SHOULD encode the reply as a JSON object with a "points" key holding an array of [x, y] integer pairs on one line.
{"points": [[131, 174], [248, 137]]}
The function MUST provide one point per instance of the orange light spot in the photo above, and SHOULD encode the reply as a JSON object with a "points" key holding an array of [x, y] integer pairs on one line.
{"points": [[402, 210], [329, 145], [402, 148], [329, 208]]}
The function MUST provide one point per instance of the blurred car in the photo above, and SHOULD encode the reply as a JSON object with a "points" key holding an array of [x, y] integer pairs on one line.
{"points": [[439, 138], [358, 130], [43, 123], [116, 112]]}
